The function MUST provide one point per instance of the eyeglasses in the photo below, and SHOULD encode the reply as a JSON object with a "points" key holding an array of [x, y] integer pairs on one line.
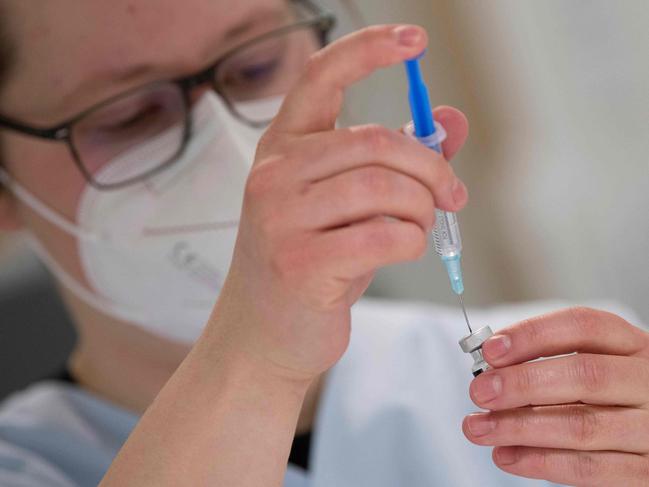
{"points": [[159, 113]]}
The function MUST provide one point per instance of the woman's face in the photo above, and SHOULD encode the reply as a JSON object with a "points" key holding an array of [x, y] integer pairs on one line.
{"points": [[72, 55]]}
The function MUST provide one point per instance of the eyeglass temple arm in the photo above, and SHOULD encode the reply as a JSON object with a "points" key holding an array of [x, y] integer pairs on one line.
{"points": [[60, 132]]}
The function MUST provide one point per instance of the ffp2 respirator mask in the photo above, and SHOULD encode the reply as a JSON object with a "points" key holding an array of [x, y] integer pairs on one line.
{"points": [[156, 254]]}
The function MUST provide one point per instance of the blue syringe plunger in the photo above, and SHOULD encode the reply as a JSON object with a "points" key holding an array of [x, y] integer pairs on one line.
{"points": [[422, 113]]}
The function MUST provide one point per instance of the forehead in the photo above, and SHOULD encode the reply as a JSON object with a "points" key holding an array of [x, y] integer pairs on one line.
{"points": [[63, 43]]}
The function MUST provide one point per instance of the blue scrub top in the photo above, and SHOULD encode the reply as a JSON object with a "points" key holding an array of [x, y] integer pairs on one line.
{"points": [[390, 413]]}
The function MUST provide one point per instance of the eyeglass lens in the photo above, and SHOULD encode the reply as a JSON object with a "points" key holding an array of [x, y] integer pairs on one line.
{"points": [[264, 71], [135, 134]]}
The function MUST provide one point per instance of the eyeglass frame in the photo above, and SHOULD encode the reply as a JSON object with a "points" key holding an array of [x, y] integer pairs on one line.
{"points": [[323, 22]]}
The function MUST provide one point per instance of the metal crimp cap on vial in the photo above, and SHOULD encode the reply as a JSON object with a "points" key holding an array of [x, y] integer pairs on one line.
{"points": [[473, 344]]}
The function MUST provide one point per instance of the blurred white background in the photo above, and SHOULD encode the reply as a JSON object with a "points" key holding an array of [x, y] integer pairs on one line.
{"points": [[557, 164]]}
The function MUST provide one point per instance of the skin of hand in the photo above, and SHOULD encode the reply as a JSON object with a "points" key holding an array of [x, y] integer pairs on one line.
{"points": [[313, 229], [580, 416], [325, 207]]}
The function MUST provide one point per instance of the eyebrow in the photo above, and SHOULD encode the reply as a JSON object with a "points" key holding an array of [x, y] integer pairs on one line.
{"points": [[128, 74], [232, 34]]}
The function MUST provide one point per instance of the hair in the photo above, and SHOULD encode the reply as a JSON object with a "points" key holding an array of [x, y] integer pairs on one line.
{"points": [[6, 58], [6, 51]]}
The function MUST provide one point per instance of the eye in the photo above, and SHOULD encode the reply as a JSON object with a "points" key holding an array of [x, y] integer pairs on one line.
{"points": [[141, 116], [257, 72]]}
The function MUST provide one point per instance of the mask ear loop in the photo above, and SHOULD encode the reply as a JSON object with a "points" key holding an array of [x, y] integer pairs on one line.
{"points": [[76, 288], [69, 282], [42, 209]]}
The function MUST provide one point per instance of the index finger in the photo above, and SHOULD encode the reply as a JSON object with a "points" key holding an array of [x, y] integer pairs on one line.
{"points": [[314, 104], [566, 331]]}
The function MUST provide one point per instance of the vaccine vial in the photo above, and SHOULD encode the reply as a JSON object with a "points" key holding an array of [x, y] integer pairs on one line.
{"points": [[473, 344]]}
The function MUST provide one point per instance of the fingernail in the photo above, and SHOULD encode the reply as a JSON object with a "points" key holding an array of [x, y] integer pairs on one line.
{"points": [[486, 387], [480, 424], [408, 36], [506, 455], [459, 192], [497, 346]]}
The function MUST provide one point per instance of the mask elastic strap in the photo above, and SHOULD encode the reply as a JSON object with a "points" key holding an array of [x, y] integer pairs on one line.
{"points": [[42, 209], [76, 288]]}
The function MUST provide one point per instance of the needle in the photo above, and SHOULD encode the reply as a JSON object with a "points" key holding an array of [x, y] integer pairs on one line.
{"points": [[465, 315]]}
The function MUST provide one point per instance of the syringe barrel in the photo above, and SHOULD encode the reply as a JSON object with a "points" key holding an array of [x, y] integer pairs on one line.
{"points": [[446, 232]]}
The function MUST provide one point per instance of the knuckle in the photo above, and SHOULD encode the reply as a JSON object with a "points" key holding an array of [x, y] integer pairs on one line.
{"points": [[313, 67], [418, 247], [255, 185], [375, 182], [408, 243], [584, 319], [261, 178], [446, 176], [378, 138], [378, 238], [583, 424], [520, 422], [590, 372], [268, 140], [584, 467], [431, 173], [438, 170], [535, 331], [424, 206], [538, 461], [526, 379]]}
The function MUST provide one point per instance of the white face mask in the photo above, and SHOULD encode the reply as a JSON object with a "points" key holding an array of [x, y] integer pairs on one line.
{"points": [[156, 254]]}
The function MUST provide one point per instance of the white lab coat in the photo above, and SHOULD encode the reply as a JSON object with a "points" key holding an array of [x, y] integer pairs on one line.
{"points": [[389, 416]]}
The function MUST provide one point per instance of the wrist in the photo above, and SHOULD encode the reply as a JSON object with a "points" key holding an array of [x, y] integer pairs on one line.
{"points": [[258, 337], [230, 406], [235, 358]]}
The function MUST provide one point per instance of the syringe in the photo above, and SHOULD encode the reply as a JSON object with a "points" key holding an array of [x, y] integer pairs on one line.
{"points": [[446, 233]]}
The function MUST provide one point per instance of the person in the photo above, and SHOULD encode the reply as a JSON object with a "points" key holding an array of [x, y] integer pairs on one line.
{"points": [[179, 168]]}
